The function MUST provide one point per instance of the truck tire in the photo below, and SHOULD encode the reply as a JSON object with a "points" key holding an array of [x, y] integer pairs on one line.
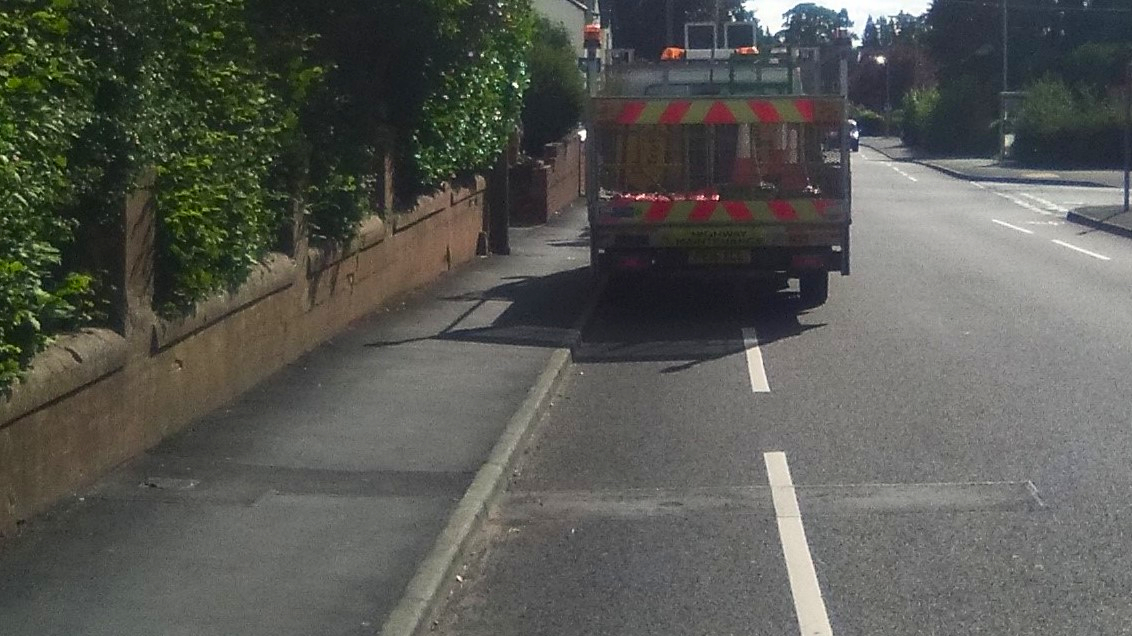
{"points": [[813, 288]]}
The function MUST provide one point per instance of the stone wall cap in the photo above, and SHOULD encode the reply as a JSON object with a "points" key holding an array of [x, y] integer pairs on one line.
{"points": [[73, 361], [275, 273]]}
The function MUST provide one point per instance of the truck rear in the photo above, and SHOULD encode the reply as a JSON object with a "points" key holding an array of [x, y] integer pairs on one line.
{"points": [[712, 164]]}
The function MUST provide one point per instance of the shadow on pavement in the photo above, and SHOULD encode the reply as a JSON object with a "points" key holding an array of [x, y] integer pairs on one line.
{"points": [[541, 311]]}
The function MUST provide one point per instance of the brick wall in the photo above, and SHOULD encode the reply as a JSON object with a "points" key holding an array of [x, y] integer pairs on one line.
{"points": [[96, 399], [542, 188]]}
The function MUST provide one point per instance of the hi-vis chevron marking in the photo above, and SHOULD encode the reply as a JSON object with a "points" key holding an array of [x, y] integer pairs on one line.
{"points": [[717, 111], [776, 211]]}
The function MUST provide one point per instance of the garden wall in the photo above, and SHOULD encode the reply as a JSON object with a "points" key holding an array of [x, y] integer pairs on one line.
{"points": [[95, 399]]}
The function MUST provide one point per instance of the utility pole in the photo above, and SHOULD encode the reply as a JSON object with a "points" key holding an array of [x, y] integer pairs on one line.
{"points": [[888, 97], [1127, 133], [1005, 87], [591, 134]]}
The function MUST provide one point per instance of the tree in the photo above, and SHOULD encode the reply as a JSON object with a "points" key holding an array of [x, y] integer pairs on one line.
{"points": [[553, 103], [869, 38], [908, 29], [808, 24], [642, 24], [886, 32]]}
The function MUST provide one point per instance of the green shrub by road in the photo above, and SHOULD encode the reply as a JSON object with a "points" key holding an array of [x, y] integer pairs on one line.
{"points": [[45, 102], [553, 104], [1060, 126], [239, 108]]}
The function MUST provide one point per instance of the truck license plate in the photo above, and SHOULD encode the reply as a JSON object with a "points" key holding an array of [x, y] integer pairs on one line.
{"points": [[719, 257]]}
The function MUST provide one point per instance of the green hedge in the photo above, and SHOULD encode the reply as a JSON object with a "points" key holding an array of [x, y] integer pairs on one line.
{"points": [[869, 122], [957, 118], [553, 104], [1060, 126], [475, 74], [241, 107], [44, 104]]}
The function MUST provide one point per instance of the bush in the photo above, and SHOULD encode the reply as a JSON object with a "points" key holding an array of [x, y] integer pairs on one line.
{"points": [[870, 122], [956, 118], [552, 105], [919, 104], [214, 131], [474, 95], [239, 107], [1059, 126], [44, 105]]}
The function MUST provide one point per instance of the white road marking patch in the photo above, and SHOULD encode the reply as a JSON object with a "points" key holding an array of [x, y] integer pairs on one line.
{"points": [[809, 606], [755, 368], [1082, 250], [977, 185], [1013, 227], [1049, 204], [902, 173], [1023, 204]]}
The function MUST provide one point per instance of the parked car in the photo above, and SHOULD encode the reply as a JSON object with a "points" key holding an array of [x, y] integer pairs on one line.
{"points": [[834, 139], [854, 135]]}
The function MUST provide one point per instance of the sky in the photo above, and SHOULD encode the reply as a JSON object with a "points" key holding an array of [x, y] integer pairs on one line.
{"points": [[769, 12]]}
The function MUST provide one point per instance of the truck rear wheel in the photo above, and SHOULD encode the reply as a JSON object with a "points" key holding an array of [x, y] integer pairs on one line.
{"points": [[813, 288]]}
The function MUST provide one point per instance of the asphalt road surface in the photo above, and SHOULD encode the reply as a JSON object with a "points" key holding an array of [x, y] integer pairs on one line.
{"points": [[944, 448]]}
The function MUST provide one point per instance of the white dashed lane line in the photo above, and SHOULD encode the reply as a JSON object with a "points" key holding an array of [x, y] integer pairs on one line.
{"points": [[1082, 250], [755, 369], [809, 606], [1013, 227]]}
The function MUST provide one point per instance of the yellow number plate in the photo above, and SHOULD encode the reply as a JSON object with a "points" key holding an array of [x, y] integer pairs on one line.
{"points": [[719, 257]]}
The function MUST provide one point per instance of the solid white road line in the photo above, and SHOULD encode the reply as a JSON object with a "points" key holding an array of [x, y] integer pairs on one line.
{"points": [[1013, 227], [813, 620], [755, 368], [1083, 250]]}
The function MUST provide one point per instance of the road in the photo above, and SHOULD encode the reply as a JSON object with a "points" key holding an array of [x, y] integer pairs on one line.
{"points": [[943, 448]]}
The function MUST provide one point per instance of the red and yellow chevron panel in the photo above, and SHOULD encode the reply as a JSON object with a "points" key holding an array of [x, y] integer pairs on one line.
{"points": [[770, 110], [631, 212]]}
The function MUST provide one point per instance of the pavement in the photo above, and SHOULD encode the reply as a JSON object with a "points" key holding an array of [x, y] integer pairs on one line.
{"points": [[333, 498], [1110, 218]]}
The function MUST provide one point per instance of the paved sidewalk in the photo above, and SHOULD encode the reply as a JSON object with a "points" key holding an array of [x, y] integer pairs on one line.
{"points": [[988, 169], [1107, 218], [305, 507]]}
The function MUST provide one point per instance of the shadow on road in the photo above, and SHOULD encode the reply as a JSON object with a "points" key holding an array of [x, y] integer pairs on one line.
{"points": [[687, 321]]}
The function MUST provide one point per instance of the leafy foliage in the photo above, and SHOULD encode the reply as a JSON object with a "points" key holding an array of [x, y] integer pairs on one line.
{"points": [[240, 108], [951, 119], [43, 106], [809, 24], [553, 103], [1058, 126], [447, 76], [212, 127], [473, 101]]}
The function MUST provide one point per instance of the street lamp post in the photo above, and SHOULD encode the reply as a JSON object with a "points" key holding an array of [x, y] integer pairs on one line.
{"points": [[1005, 85], [883, 61], [1127, 133]]}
